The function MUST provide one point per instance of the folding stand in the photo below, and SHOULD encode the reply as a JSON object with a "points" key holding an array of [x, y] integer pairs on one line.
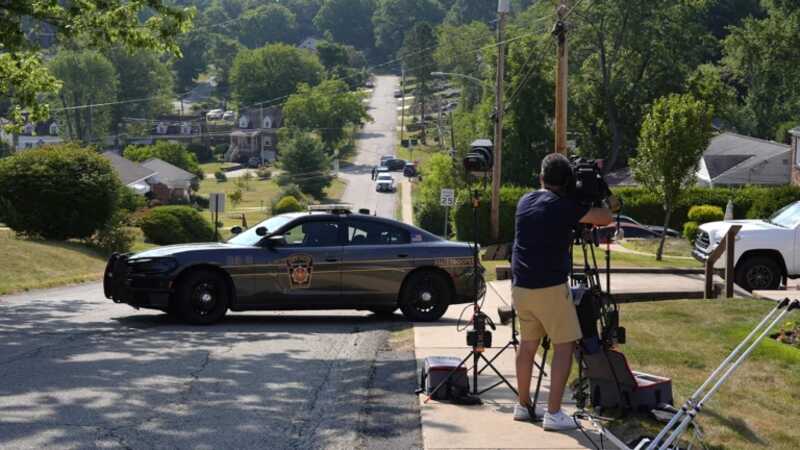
{"points": [[669, 435]]}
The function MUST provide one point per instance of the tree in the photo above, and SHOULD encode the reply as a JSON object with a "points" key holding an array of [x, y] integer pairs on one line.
{"points": [[348, 21], [304, 12], [192, 61], [141, 74], [760, 55], [171, 152], [417, 54], [87, 78], [272, 72], [327, 109], [674, 136], [267, 23], [22, 71], [456, 53], [439, 173], [303, 158], [343, 62], [628, 53], [74, 184], [221, 52], [393, 18], [467, 11]]}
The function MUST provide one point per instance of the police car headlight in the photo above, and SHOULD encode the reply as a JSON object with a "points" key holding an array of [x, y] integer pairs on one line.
{"points": [[153, 265]]}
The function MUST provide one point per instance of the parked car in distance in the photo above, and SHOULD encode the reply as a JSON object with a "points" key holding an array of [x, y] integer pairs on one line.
{"points": [[398, 93], [385, 183], [229, 116], [214, 114], [655, 228], [326, 258], [410, 170], [253, 162], [766, 251], [385, 158], [395, 165], [629, 230]]}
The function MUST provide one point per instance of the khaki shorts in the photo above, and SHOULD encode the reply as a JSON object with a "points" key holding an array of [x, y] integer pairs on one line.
{"points": [[547, 311]]}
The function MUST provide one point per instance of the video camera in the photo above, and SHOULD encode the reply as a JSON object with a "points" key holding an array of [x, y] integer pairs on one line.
{"points": [[591, 188], [480, 157]]}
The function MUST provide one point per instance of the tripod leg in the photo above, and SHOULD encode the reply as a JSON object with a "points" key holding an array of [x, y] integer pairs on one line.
{"points": [[502, 378], [546, 347]]}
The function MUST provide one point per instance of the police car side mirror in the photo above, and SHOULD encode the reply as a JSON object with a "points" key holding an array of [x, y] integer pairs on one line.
{"points": [[261, 231], [276, 241], [236, 230]]}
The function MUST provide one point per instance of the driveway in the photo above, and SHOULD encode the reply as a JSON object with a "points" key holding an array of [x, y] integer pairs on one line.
{"points": [[375, 140], [79, 371]]}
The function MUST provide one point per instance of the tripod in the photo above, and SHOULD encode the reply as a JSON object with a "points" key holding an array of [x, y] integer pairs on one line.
{"points": [[479, 338]]}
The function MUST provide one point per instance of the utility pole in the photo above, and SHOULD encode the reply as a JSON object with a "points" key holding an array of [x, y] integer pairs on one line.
{"points": [[402, 102], [560, 33], [502, 12]]}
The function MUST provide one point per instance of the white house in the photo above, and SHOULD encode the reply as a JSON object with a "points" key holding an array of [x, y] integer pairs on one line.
{"points": [[735, 160]]}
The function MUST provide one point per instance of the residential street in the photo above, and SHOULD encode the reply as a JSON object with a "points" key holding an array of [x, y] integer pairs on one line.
{"points": [[79, 371], [376, 139]]}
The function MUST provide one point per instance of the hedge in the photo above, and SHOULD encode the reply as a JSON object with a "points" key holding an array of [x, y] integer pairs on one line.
{"points": [[286, 205], [166, 225], [705, 213], [752, 202]]}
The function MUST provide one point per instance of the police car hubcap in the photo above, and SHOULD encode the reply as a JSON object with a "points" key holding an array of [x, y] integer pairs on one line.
{"points": [[426, 296]]}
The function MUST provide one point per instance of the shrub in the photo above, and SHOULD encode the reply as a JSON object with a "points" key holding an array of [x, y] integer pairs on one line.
{"points": [[202, 152], [690, 230], [115, 236], [463, 220], [171, 152], [58, 192], [235, 197], [129, 200], [286, 205], [290, 190], [705, 213], [175, 225], [264, 173], [219, 150], [220, 176], [200, 200]]}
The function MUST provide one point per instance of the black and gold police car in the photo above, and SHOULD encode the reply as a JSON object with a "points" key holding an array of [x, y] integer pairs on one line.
{"points": [[326, 258]]}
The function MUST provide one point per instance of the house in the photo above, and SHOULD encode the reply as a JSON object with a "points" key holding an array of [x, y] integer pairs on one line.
{"points": [[33, 135], [175, 128], [170, 183], [735, 160], [132, 175], [310, 43], [255, 136]]}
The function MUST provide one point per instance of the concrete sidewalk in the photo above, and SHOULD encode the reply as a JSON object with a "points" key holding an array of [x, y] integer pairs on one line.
{"points": [[489, 425]]}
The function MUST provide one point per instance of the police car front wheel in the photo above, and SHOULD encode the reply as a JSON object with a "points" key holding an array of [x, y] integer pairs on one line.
{"points": [[425, 297], [202, 297]]}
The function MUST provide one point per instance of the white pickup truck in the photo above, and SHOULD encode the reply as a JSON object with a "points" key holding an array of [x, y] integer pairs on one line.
{"points": [[767, 251]]}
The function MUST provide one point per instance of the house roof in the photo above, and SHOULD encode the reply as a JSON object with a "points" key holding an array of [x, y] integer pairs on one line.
{"points": [[167, 172], [730, 153], [620, 177], [128, 171]]}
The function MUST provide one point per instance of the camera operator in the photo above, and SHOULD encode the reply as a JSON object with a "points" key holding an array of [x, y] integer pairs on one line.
{"points": [[545, 221]]}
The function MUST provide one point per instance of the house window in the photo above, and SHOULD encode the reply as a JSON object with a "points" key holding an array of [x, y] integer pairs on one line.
{"points": [[53, 129], [186, 128], [244, 122], [161, 128], [266, 123], [267, 141]]}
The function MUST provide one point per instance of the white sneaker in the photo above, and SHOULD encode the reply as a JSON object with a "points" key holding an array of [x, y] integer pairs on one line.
{"points": [[522, 413], [559, 422]]}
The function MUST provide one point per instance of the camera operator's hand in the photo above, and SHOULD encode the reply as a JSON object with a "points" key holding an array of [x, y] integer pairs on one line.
{"points": [[614, 204], [598, 216]]}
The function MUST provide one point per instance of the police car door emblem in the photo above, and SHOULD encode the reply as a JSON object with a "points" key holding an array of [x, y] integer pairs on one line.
{"points": [[300, 268]]}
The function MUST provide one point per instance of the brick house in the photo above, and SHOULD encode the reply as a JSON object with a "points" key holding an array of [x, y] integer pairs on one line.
{"points": [[255, 136]]}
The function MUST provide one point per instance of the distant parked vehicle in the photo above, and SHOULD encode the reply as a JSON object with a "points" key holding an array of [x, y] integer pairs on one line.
{"points": [[214, 114], [229, 115], [395, 164], [398, 93], [655, 228], [253, 162], [410, 170], [385, 158], [629, 230], [385, 183]]}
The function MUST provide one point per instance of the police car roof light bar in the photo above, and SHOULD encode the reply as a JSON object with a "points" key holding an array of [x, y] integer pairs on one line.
{"points": [[687, 413], [333, 208]]}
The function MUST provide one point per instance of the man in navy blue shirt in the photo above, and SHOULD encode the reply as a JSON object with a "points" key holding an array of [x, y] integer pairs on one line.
{"points": [[540, 266]]}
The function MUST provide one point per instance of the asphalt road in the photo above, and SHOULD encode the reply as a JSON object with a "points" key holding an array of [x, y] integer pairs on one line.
{"points": [[376, 139], [79, 371]]}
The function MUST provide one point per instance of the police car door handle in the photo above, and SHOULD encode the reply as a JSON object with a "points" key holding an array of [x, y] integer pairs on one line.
{"points": [[402, 255], [331, 259]]}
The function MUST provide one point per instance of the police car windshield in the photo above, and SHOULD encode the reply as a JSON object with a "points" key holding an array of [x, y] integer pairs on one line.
{"points": [[250, 237]]}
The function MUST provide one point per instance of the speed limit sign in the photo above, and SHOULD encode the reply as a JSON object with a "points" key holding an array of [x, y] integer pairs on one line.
{"points": [[447, 197]]}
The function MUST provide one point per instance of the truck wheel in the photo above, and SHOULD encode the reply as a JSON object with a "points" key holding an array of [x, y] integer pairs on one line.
{"points": [[758, 272], [425, 297], [202, 297]]}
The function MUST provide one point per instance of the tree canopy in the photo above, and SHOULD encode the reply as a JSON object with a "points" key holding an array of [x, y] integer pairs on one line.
{"points": [[304, 160], [393, 18], [171, 152], [141, 74], [272, 72], [272, 22], [94, 23], [348, 21]]}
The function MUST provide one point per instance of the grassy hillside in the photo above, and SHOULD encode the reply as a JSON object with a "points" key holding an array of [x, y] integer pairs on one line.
{"points": [[28, 264]]}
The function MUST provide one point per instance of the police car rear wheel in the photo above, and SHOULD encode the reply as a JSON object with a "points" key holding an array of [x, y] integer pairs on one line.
{"points": [[202, 297], [425, 297]]}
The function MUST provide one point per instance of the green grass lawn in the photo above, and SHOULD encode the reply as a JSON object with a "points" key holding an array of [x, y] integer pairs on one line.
{"points": [[32, 264], [672, 246], [420, 153], [212, 167], [686, 339]]}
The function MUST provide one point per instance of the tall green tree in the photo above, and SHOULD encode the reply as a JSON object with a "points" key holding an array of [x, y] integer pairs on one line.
{"points": [[305, 163], [348, 21], [305, 11], [761, 56], [625, 54], [673, 137], [96, 23], [326, 109], [393, 18], [192, 60], [87, 78], [141, 74], [272, 22], [220, 54], [467, 11], [417, 53], [271, 72], [455, 52]]}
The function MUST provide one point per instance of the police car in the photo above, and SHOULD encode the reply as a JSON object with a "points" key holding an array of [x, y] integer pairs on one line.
{"points": [[326, 258]]}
